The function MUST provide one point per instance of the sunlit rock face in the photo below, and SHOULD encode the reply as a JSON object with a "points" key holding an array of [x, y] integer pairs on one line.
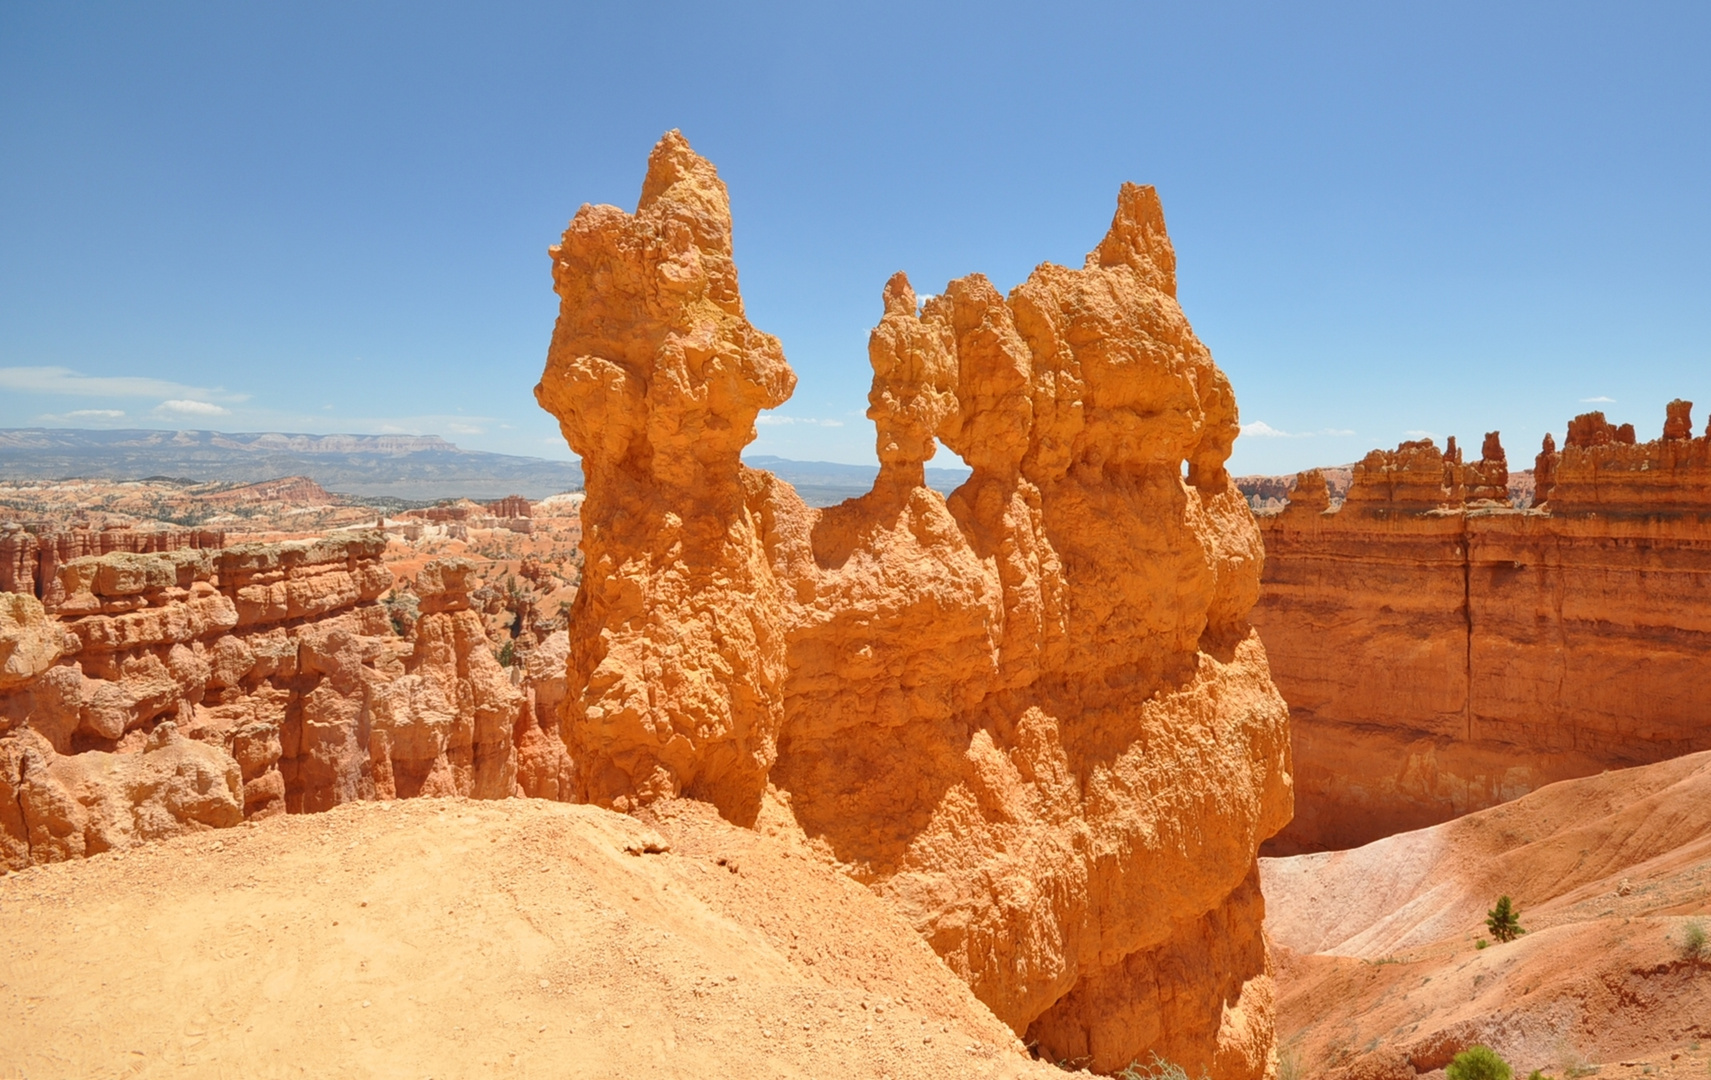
{"points": [[1443, 651], [167, 692], [1032, 716]]}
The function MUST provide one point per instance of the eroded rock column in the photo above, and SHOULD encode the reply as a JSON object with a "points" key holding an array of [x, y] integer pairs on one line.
{"points": [[1033, 716]]}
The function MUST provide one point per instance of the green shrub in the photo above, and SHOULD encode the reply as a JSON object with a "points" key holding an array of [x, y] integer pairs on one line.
{"points": [[1481, 943], [1160, 1069], [1479, 1063], [1693, 943], [1504, 921]]}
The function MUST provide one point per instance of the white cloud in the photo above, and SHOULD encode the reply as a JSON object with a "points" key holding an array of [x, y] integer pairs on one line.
{"points": [[59, 380], [1599, 400], [88, 414], [457, 428], [774, 420], [1422, 434], [190, 407], [1259, 429]]}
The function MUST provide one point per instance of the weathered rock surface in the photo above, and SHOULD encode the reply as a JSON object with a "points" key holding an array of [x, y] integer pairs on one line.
{"points": [[192, 688], [1381, 973], [1033, 717], [1442, 651], [30, 560]]}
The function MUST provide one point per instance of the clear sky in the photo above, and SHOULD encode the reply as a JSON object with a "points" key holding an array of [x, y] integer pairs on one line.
{"points": [[1389, 218]]}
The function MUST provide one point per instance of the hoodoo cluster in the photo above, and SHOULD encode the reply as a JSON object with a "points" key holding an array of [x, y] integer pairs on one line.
{"points": [[1032, 716], [160, 693]]}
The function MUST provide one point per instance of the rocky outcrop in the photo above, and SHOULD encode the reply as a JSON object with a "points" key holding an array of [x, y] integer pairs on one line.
{"points": [[511, 506], [1033, 716], [165, 692], [30, 558], [1274, 492], [1444, 651]]}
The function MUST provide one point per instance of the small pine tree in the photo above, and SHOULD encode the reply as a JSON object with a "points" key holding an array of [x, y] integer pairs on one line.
{"points": [[1479, 1063], [1504, 921]]}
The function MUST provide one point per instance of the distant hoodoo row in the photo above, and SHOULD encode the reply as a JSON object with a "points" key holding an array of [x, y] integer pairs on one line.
{"points": [[1034, 716], [1443, 650], [159, 693]]}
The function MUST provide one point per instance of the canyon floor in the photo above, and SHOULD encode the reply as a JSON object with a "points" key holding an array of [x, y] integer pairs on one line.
{"points": [[1380, 970], [453, 938]]}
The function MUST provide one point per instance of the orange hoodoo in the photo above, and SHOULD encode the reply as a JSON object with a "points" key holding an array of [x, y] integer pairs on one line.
{"points": [[1033, 716]]}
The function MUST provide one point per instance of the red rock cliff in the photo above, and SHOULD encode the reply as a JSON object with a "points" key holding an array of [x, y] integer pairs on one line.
{"points": [[1442, 654], [1032, 716]]}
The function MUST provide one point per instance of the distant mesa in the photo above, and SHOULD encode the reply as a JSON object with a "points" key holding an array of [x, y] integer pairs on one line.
{"points": [[411, 467]]}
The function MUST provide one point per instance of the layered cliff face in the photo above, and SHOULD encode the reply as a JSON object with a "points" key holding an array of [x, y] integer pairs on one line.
{"points": [[1442, 653], [161, 693], [30, 561], [1033, 717]]}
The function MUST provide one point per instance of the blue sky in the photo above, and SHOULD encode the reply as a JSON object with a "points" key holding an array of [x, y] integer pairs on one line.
{"points": [[1390, 219]]}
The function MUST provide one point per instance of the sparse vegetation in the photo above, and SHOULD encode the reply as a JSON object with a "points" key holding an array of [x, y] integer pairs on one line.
{"points": [[1160, 1069], [1289, 1065], [1481, 943], [1693, 941], [1504, 921], [402, 610], [1479, 1063]]}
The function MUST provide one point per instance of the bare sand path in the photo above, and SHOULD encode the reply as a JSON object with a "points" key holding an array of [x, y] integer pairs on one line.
{"points": [[450, 938]]}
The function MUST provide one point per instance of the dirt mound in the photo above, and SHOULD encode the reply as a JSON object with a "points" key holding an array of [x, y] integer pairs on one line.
{"points": [[1380, 971], [448, 938]]}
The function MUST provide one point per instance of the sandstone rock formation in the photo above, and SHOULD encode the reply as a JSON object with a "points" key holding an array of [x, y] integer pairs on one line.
{"points": [[30, 560], [1274, 492], [1033, 717], [1441, 652], [191, 688]]}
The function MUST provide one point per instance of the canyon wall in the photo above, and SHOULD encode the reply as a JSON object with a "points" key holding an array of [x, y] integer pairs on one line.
{"points": [[1033, 716], [152, 694], [1442, 651], [30, 558]]}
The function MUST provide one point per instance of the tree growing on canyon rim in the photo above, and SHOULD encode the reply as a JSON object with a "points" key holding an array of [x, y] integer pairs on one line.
{"points": [[1479, 1063], [1504, 921]]}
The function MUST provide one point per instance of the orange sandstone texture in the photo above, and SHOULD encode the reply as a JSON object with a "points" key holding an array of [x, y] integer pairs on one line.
{"points": [[174, 691], [1442, 651], [1033, 717]]}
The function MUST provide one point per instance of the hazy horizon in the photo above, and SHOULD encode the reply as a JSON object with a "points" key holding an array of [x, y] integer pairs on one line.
{"points": [[1389, 223]]}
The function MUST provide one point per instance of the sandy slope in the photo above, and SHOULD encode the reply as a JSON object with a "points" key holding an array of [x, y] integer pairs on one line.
{"points": [[449, 938], [1379, 974]]}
